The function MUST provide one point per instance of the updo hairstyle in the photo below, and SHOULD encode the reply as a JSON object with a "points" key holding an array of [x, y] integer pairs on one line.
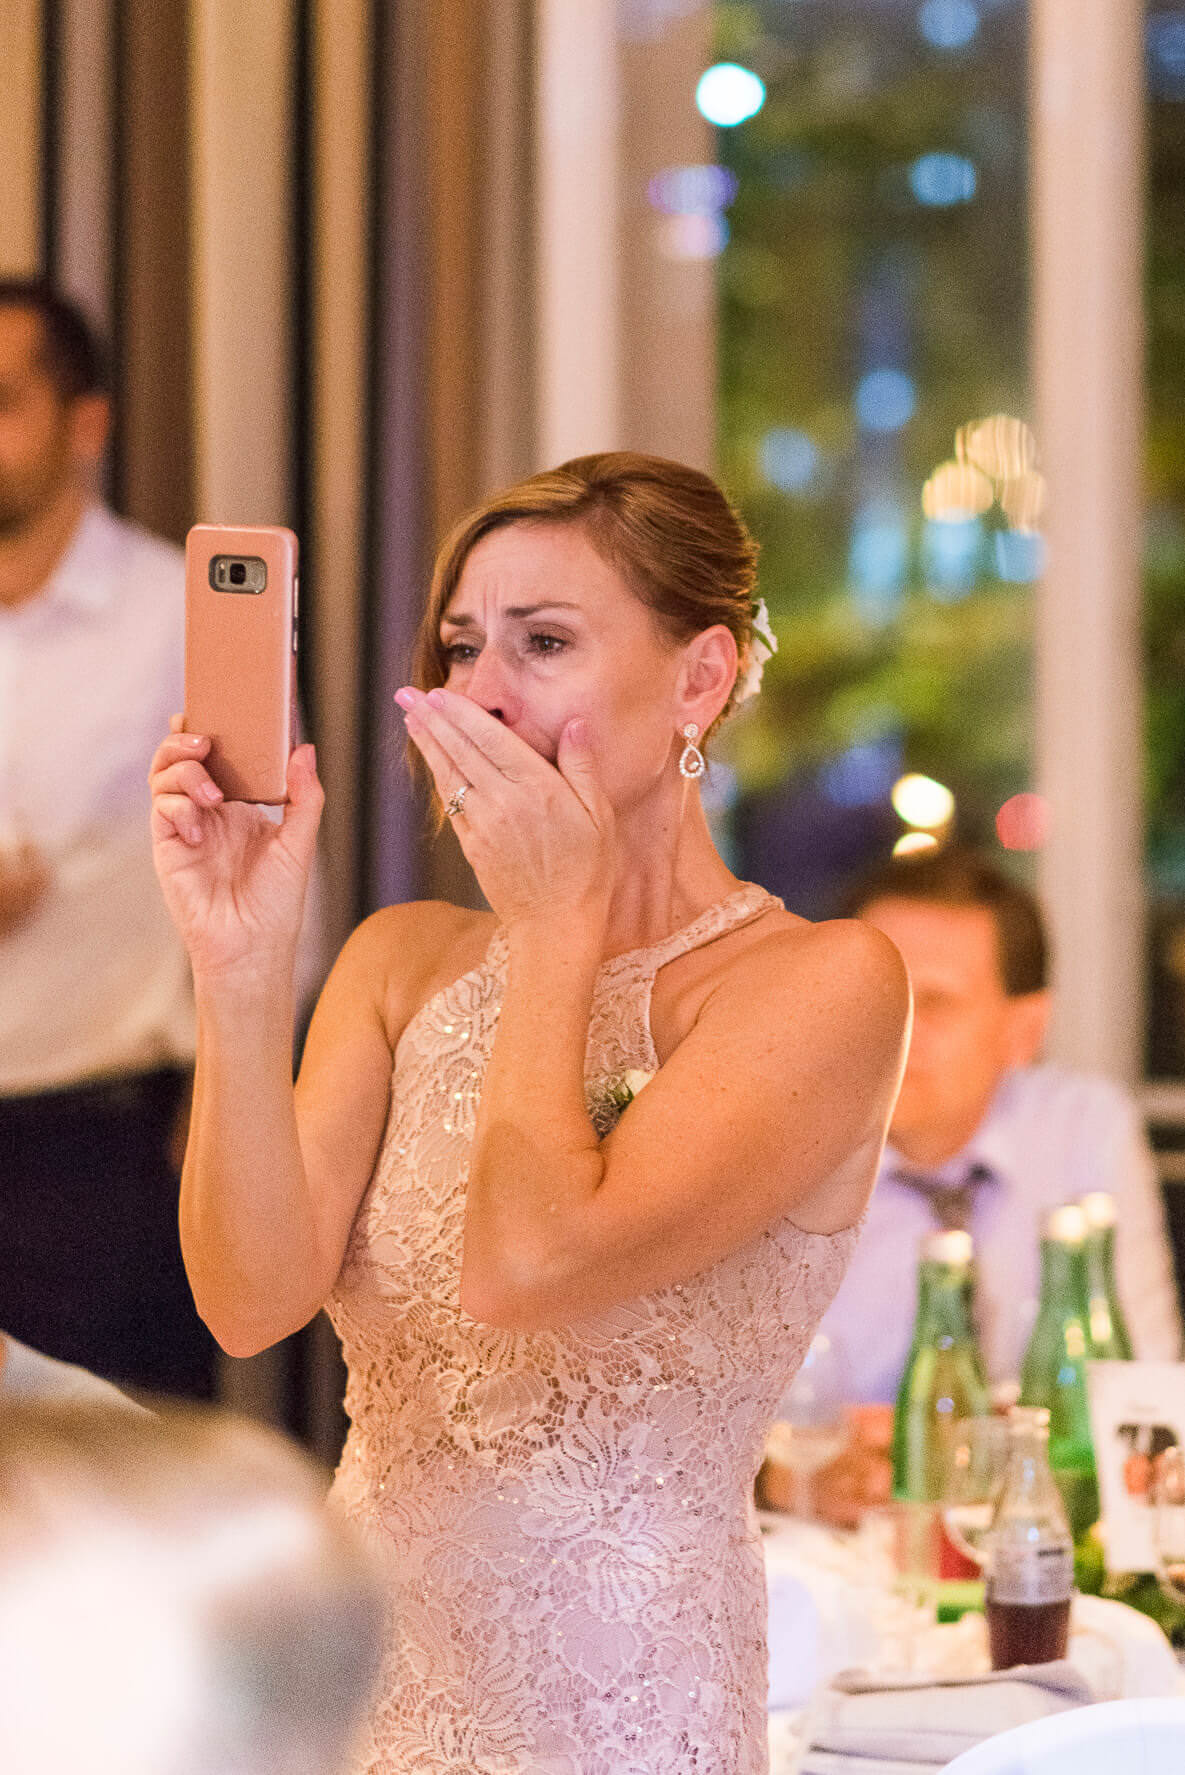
{"points": [[668, 530]]}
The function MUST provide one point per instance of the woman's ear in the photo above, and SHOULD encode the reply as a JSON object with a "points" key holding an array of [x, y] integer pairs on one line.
{"points": [[706, 676]]}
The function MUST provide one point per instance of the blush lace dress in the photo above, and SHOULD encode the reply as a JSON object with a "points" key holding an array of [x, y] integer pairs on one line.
{"points": [[576, 1580]]}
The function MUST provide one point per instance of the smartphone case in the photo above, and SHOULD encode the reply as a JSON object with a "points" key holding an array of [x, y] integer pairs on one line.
{"points": [[240, 660]]}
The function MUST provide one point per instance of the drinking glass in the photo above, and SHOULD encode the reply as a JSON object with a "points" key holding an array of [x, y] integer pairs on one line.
{"points": [[974, 1475], [1168, 1527], [810, 1426]]}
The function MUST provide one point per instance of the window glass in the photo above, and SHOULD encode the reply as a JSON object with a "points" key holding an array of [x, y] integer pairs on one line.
{"points": [[869, 221]]}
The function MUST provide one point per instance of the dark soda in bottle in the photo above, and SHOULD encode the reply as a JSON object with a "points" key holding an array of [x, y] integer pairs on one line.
{"points": [[1030, 1553], [1026, 1632]]}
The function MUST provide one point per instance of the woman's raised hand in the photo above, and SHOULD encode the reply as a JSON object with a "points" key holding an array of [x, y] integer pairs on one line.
{"points": [[234, 881], [540, 837]]}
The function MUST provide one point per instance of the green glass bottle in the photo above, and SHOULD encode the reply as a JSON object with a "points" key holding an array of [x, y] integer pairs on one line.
{"points": [[944, 1379], [1053, 1374], [1109, 1339]]}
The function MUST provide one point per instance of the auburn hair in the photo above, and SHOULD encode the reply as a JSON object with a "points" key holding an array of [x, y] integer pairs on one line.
{"points": [[669, 530]]}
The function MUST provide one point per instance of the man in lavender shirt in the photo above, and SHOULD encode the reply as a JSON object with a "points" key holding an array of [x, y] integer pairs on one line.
{"points": [[986, 1135]]}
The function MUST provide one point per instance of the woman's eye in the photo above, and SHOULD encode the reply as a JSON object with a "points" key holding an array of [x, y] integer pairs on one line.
{"points": [[460, 653], [545, 644]]}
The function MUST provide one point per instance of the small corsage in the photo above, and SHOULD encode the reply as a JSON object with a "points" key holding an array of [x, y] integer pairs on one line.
{"points": [[609, 1101], [763, 644]]}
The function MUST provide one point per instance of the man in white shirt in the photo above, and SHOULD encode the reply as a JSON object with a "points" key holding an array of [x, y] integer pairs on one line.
{"points": [[96, 1012], [27, 1374], [988, 1137]]}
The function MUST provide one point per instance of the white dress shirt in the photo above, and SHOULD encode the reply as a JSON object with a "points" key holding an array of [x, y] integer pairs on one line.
{"points": [[95, 982], [27, 1374], [1049, 1137]]}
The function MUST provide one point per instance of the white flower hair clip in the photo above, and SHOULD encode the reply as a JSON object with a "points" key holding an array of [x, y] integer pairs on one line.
{"points": [[763, 644]]}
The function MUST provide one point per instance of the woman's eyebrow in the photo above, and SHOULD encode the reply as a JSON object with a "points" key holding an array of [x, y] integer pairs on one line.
{"points": [[517, 611], [521, 610]]}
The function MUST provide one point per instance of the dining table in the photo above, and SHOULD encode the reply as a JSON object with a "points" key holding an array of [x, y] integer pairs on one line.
{"points": [[843, 1619]]}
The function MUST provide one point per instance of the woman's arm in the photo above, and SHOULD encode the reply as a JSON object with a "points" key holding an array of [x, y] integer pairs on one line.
{"points": [[273, 1176], [777, 1102]]}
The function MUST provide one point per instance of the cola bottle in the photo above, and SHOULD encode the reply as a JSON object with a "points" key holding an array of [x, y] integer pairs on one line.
{"points": [[1030, 1553]]}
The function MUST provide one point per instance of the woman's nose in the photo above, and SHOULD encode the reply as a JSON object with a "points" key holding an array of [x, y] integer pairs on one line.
{"points": [[489, 686]]}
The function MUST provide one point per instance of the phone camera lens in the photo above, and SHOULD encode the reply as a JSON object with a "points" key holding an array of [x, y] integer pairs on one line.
{"points": [[238, 573]]}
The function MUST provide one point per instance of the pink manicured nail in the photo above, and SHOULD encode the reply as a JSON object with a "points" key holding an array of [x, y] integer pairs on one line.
{"points": [[190, 739], [406, 698], [210, 792], [436, 698]]}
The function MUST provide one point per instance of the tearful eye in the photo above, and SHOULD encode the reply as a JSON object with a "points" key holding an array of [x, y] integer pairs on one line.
{"points": [[547, 644], [460, 653]]}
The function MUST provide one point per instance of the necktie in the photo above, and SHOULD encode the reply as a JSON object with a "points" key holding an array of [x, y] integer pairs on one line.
{"points": [[951, 1201]]}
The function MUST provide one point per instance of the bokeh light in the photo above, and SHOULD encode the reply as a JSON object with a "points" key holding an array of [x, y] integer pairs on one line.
{"points": [[1020, 555], [692, 237], [864, 774], [910, 843], [940, 179], [692, 190], [1166, 53], [948, 24], [950, 554], [885, 400], [1003, 447], [1022, 824], [922, 802], [728, 94], [878, 557], [955, 492], [790, 460], [1022, 499]]}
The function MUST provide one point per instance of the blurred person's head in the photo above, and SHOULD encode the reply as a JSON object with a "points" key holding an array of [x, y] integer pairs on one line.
{"points": [[54, 406], [618, 589], [175, 1599], [974, 943]]}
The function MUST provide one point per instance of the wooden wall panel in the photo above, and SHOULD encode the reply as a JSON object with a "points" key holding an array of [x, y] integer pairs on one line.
{"points": [[20, 137], [154, 459], [242, 64], [339, 228]]}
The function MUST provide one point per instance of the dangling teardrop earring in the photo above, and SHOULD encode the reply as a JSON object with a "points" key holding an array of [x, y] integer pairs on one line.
{"points": [[692, 762]]}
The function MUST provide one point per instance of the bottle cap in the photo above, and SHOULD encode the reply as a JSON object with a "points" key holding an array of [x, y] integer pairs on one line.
{"points": [[1099, 1209], [1066, 1225], [951, 1247]]}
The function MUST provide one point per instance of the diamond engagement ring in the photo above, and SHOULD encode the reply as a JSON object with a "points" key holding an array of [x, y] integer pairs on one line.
{"points": [[456, 801]]}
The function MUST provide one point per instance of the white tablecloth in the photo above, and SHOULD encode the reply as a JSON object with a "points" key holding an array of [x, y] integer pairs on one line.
{"points": [[833, 1605]]}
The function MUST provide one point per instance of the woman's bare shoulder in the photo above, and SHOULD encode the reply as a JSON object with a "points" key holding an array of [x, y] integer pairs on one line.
{"points": [[775, 962], [840, 966], [843, 952], [402, 955]]}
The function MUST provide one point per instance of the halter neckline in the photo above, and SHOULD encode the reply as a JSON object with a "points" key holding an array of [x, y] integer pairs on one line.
{"points": [[735, 909]]}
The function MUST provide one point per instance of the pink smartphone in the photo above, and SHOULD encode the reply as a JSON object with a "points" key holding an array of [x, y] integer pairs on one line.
{"points": [[241, 592]]}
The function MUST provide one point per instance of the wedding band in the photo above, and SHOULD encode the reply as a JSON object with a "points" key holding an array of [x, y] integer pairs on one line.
{"points": [[456, 801]]}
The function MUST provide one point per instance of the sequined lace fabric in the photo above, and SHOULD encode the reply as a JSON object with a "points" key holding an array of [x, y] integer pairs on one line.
{"points": [[575, 1576]]}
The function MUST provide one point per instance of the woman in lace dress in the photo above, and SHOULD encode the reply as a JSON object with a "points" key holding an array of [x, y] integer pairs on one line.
{"points": [[566, 1327]]}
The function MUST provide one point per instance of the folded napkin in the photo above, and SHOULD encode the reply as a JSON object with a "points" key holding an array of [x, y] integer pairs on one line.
{"points": [[868, 1723]]}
